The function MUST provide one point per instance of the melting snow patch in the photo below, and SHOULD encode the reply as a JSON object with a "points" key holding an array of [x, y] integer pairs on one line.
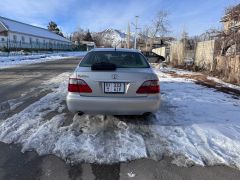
{"points": [[12, 61], [200, 125], [88, 138], [22, 125], [195, 125]]}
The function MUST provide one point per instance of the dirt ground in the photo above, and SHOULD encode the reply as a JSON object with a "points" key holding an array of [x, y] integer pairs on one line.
{"points": [[204, 81]]}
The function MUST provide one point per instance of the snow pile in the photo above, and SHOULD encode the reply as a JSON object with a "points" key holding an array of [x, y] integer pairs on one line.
{"points": [[12, 61], [195, 126], [98, 139], [87, 138]]}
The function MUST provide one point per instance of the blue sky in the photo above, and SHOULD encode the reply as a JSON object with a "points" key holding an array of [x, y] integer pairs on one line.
{"points": [[194, 16]]}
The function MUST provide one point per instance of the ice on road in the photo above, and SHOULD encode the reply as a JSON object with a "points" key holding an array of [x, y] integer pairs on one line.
{"points": [[195, 126]]}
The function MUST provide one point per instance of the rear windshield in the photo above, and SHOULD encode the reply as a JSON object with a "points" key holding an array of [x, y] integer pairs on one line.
{"points": [[120, 59]]}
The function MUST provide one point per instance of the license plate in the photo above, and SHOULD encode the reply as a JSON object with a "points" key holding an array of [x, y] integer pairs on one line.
{"points": [[114, 87]]}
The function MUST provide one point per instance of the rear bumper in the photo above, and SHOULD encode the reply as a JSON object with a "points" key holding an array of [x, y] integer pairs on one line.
{"points": [[113, 105]]}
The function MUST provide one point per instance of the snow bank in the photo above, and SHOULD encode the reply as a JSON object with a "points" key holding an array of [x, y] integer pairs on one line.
{"points": [[195, 126], [12, 61]]}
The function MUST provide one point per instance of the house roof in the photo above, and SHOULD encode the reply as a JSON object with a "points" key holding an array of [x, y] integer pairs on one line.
{"points": [[19, 27]]}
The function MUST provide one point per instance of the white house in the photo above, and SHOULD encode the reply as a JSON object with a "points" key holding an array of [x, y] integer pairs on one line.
{"points": [[18, 35]]}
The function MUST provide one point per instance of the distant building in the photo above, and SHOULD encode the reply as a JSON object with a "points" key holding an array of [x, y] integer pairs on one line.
{"points": [[18, 35], [157, 43], [87, 44]]}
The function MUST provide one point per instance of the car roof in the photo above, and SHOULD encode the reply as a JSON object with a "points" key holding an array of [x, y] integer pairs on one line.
{"points": [[117, 49]]}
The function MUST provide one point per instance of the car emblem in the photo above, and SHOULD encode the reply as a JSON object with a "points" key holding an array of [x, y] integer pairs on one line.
{"points": [[114, 76]]}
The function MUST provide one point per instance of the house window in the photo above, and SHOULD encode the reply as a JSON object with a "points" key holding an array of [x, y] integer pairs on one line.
{"points": [[30, 40], [3, 39], [23, 39], [14, 38], [37, 41]]}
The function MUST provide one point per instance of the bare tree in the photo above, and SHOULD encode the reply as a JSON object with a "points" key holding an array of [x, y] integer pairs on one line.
{"points": [[230, 37], [210, 34], [145, 34], [184, 36], [78, 35], [233, 11], [98, 39], [160, 26]]}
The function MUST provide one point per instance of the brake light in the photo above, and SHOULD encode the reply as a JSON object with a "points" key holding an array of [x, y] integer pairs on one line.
{"points": [[149, 87], [78, 85]]}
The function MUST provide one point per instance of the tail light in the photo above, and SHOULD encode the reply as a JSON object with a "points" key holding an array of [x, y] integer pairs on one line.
{"points": [[78, 85], [149, 87]]}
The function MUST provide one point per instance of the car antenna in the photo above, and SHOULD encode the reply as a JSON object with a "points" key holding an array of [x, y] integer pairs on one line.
{"points": [[115, 48]]}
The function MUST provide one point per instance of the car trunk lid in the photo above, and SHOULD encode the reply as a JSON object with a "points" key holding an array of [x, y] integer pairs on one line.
{"points": [[132, 78]]}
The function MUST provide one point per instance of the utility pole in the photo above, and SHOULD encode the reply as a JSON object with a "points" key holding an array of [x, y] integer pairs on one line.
{"points": [[136, 28], [128, 36]]}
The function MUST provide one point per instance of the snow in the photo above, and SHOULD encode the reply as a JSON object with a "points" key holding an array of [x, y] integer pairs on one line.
{"points": [[201, 126], [83, 140], [131, 175], [13, 61], [195, 126]]}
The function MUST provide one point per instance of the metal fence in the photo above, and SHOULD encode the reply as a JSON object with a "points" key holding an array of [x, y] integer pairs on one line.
{"points": [[14, 45]]}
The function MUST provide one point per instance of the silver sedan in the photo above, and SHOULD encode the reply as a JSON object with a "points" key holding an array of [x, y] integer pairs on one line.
{"points": [[113, 81]]}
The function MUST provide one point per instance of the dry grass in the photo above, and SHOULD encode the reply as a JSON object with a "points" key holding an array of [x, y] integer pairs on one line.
{"points": [[203, 80]]}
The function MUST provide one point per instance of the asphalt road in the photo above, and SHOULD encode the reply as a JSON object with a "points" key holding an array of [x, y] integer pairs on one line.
{"points": [[15, 165]]}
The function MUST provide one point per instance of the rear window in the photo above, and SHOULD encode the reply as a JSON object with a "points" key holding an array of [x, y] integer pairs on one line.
{"points": [[120, 59]]}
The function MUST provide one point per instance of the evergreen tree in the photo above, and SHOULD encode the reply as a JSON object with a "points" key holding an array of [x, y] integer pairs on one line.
{"points": [[52, 26], [88, 36]]}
